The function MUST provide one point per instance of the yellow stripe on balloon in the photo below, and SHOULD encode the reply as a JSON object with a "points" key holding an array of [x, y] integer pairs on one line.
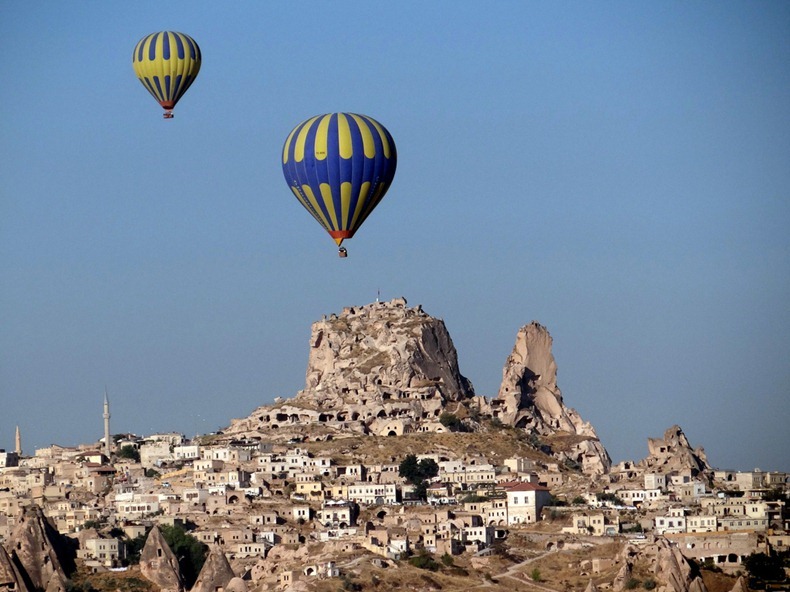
{"points": [[316, 208], [302, 138], [384, 142], [367, 138], [326, 195], [345, 203], [287, 146], [321, 137], [363, 192], [344, 137]]}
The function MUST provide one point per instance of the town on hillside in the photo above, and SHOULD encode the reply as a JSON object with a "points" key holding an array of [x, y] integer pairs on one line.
{"points": [[388, 472]]}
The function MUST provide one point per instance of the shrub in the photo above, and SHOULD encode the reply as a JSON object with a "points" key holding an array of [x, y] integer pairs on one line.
{"points": [[424, 561], [535, 575], [447, 560], [649, 584], [632, 583]]}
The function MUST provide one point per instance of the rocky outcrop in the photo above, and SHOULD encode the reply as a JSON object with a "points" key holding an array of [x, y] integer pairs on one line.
{"points": [[36, 547], [158, 563], [216, 573], [529, 398], [382, 369], [10, 577], [740, 585], [673, 453]]}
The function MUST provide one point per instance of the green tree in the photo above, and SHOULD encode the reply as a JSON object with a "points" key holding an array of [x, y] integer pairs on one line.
{"points": [[424, 561], [191, 553], [133, 549], [535, 575], [129, 452], [418, 472], [762, 567], [451, 422]]}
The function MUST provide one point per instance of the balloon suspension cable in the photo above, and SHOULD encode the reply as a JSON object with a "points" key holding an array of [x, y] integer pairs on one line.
{"points": [[342, 252], [168, 114]]}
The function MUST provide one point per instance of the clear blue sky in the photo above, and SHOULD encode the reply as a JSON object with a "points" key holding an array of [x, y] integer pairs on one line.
{"points": [[618, 171]]}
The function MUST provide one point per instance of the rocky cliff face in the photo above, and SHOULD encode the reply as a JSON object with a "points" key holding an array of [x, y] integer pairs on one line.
{"points": [[10, 576], [673, 452], [216, 573], [158, 563], [382, 369], [383, 347], [38, 550], [529, 398], [387, 369]]}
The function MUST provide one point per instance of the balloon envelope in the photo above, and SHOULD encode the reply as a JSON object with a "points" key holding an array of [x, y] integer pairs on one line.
{"points": [[339, 166], [166, 63]]}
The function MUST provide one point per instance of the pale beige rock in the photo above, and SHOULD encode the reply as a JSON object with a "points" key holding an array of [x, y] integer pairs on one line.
{"points": [[529, 398], [381, 369], [622, 578], [697, 585], [216, 573], [591, 587], [740, 585], [33, 544], [673, 452], [158, 563], [10, 577]]}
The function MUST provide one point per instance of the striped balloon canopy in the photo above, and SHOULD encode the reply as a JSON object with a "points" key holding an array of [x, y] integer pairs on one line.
{"points": [[167, 64], [339, 166]]}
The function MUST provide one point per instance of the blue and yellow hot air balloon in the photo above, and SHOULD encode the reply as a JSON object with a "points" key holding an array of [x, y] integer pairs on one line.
{"points": [[167, 64], [339, 166]]}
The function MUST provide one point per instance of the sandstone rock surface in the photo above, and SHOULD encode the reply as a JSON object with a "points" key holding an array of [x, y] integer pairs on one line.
{"points": [[216, 573], [35, 543], [158, 563], [673, 452], [529, 398], [10, 577], [382, 369]]}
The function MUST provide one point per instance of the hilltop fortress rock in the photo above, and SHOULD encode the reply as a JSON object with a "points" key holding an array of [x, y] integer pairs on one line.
{"points": [[529, 398], [383, 369], [387, 369]]}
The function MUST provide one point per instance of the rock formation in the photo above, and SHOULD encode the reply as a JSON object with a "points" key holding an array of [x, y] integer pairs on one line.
{"points": [[382, 368], [387, 369], [529, 398], [36, 547], [10, 577], [673, 453], [216, 573], [158, 563]]}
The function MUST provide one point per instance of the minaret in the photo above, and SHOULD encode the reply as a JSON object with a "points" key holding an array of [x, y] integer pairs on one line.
{"points": [[106, 425], [18, 443]]}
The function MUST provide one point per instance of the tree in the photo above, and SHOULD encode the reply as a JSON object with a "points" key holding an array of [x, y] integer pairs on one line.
{"points": [[418, 472], [764, 567], [191, 553], [130, 452], [414, 471], [451, 422]]}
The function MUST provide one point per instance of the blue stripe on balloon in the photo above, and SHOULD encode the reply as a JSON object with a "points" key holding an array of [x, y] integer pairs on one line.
{"points": [[140, 50], [179, 46], [165, 46], [168, 96], [152, 47], [192, 46], [159, 88], [177, 86]]}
